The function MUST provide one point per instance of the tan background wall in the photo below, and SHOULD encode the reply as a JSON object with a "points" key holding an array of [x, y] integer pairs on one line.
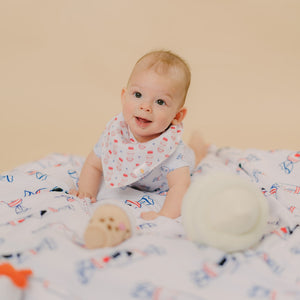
{"points": [[63, 64]]}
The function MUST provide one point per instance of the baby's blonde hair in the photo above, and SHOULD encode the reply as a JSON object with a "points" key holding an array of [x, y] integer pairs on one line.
{"points": [[162, 61]]}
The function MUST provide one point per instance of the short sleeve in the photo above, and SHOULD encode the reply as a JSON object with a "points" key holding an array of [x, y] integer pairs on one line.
{"points": [[182, 157]]}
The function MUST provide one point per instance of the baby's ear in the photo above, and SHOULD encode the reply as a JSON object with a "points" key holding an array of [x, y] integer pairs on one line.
{"points": [[123, 95], [179, 116]]}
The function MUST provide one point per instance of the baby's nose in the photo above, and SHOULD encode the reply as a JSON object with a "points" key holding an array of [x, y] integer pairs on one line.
{"points": [[145, 106]]}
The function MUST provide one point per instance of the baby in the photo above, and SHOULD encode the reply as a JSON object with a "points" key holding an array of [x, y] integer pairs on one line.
{"points": [[144, 143]]}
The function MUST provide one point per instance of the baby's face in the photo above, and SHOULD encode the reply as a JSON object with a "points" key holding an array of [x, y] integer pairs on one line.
{"points": [[151, 102]]}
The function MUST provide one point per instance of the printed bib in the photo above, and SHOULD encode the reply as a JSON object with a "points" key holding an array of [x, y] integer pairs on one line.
{"points": [[125, 161]]}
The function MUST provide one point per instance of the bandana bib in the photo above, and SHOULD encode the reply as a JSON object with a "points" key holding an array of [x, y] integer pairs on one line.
{"points": [[125, 161]]}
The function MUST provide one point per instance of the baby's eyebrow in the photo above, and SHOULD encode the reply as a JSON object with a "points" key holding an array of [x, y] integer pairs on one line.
{"points": [[165, 97], [134, 87]]}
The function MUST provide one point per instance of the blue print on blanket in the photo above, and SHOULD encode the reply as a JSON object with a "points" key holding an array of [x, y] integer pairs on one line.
{"points": [[38, 175], [295, 250], [46, 244], [262, 292], [289, 188], [16, 205], [86, 268], [146, 200], [30, 193], [211, 270], [273, 265], [272, 292], [146, 226], [288, 195], [289, 163], [250, 165], [74, 174], [148, 290], [254, 174], [65, 230], [7, 178]]}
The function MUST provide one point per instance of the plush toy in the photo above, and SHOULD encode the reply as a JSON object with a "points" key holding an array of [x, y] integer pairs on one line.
{"points": [[222, 210], [225, 211], [109, 226]]}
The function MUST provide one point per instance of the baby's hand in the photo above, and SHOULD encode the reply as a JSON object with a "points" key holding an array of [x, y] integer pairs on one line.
{"points": [[82, 195], [149, 215]]}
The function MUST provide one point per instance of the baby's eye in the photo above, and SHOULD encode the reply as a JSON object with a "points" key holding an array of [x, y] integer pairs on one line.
{"points": [[137, 95], [160, 102]]}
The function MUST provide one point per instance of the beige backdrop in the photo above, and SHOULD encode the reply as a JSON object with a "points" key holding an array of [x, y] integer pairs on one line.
{"points": [[63, 64]]}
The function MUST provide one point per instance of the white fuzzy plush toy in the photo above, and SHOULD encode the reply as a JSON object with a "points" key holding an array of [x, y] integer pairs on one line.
{"points": [[225, 211]]}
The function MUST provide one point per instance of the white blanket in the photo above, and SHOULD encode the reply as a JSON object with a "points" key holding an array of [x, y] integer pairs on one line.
{"points": [[41, 229]]}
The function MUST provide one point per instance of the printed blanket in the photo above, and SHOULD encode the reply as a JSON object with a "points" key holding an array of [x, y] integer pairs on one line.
{"points": [[41, 229]]}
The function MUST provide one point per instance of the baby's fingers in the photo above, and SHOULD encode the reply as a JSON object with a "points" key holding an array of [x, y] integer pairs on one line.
{"points": [[73, 192], [82, 195], [93, 200]]}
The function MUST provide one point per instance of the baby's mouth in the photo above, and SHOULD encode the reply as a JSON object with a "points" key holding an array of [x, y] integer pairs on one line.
{"points": [[142, 120]]}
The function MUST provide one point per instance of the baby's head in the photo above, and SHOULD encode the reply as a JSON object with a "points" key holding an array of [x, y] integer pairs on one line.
{"points": [[155, 94], [166, 63]]}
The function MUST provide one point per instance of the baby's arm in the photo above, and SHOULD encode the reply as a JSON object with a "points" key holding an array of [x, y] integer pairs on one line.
{"points": [[178, 181], [90, 178]]}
